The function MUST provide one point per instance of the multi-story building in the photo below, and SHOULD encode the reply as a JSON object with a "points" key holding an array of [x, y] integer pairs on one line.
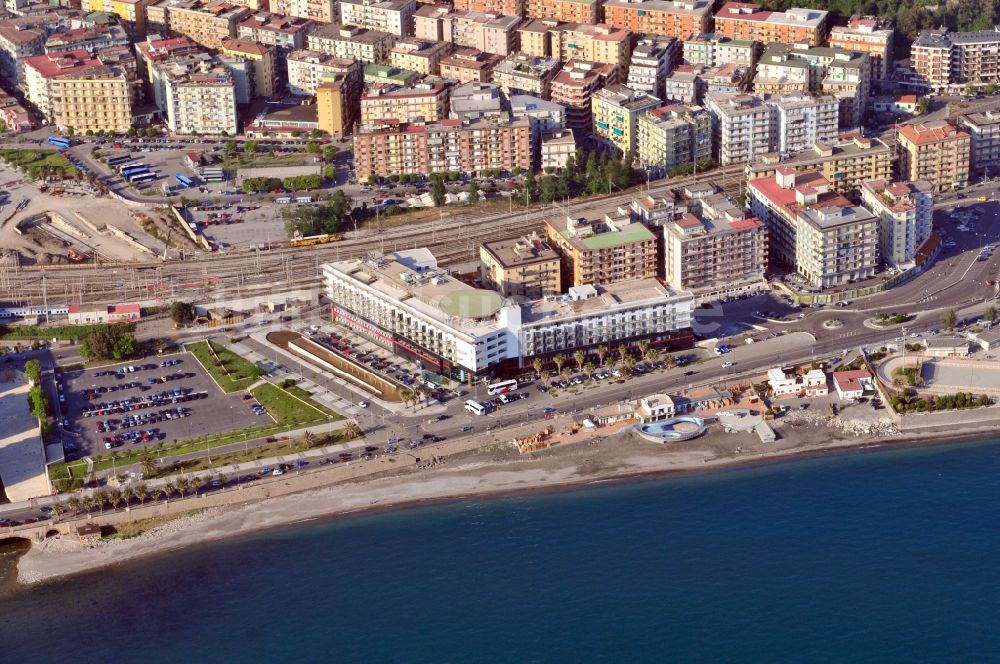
{"points": [[572, 11], [801, 120], [131, 13], [25, 36], [577, 41], [426, 102], [417, 55], [815, 232], [492, 33], [673, 135], [682, 19], [520, 267], [505, 7], [984, 130], [745, 20], [653, 58], [87, 98], [949, 61], [41, 70], [556, 149], [207, 23], [731, 78], [90, 38], [573, 88], [477, 101], [546, 118], [344, 41], [685, 84], [337, 103], [935, 151], [601, 251], [526, 74], [713, 249], [285, 33], [845, 161], [384, 74], [467, 65], [450, 145], [14, 115], [307, 69], [405, 304], [392, 16], [261, 56], [904, 211], [615, 110], [870, 35], [202, 102], [741, 126], [156, 58], [323, 11]]}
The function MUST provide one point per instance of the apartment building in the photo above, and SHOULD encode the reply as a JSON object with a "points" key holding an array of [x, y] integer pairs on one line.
{"points": [[871, 35], [467, 65], [477, 101], [731, 78], [801, 120], [337, 102], [374, 73], [984, 133], [41, 70], [685, 84], [344, 41], [604, 250], [681, 19], [814, 231], [746, 20], [556, 149], [405, 304], [131, 13], [206, 23], [91, 99], [571, 11], [427, 102], [712, 50], [492, 33], [321, 11], [505, 7], [935, 151], [653, 58], [845, 161], [157, 57], [577, 41], [89, 38], [417, 55], [545, 117], [905, 213], [261, 57], [713, 249], [672, 136], [523, 267], [285, 33], [949, 61], [573, 88], [450, 145], [392, 16], [202, 102], [25, 36], [615, 110], [741, 126], [526, 74], [307, 69]]}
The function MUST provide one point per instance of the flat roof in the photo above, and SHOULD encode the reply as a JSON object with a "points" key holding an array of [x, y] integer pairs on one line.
{"points": [[618, 295], [511, 252], [22, 454], [627, 234]]}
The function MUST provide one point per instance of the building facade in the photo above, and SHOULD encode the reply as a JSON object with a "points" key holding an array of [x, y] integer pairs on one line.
{"points": [[681, 19], [525, 74], [904, 211], [426, 102], [574, 86], [949, 61], [672, 136], [520, 267], [870, 35], [984, 133], [746, 20], [418, 55], [352, 42], [307, 69], [467, 65], [653, 58], [616, 109], [936, 151], [596, 252]]}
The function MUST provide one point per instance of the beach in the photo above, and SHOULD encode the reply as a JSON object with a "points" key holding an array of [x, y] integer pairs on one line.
{"points": [[490, 469]]}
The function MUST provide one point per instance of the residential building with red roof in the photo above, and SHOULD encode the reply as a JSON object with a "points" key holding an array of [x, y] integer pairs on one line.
{"points": [[746, 20], [853, 384], [936, 151]]}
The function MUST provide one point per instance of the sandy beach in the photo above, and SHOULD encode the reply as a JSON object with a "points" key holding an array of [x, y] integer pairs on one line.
{"points": [[492, 469]]}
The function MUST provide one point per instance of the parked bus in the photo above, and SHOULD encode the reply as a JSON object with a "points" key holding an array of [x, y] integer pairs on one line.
{"points": [[213, 174], [475, 407], [120, 159], [184, 181], [133, 169], [60, 142], [142, 178], [502, 387]]}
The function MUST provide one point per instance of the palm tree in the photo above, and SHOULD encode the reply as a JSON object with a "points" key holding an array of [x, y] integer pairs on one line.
{"points": [[100, 498], [559, 360], [156, 493], [141, 491], [406, 395], [579, 357], [351, 431], [628, 363], [58, 508], [182, 485], [602, 352], [169, 489], [650, 355], [588, 368], [116, 497], [74, 503], [148, 466], [308, 438], [622, 351], [88, 503], [643, 346], [537, 364], [669, 361], [567, 372]]}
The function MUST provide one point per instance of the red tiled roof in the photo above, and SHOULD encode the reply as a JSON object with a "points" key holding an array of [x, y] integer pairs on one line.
{"points": [[744, 11], [58, 64], [931, 133]]}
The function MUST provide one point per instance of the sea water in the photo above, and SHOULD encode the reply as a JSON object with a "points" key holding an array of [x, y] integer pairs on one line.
{"points": [[881, 556]]}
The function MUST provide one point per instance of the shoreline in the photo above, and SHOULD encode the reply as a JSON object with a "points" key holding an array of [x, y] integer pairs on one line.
{"points": [[60, 559]]}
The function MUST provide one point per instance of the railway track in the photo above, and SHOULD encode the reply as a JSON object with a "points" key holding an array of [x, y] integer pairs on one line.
{"points": [[454, 238]]}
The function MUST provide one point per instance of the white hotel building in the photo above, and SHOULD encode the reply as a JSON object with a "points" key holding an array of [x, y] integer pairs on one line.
{"points": [[405, 303]]}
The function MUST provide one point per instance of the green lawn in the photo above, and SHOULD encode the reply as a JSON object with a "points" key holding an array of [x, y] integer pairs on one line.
{"points": [[39, 163], [64, 332], [231, 371], [307, 397], [288, 409]]}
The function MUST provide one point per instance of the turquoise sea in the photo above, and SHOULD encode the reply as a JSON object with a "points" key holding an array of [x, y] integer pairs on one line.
{"points": [[879, 556]]}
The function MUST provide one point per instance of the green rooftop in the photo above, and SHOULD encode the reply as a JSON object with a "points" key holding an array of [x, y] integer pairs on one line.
{"points": [[631, 234]]}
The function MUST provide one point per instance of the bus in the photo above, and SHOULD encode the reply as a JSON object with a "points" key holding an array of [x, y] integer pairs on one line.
{"points": [[184, 181], [142, 178], [474, 406], [502, 387], [60, 142], [213, 175], [120, 159], [133, 168]]}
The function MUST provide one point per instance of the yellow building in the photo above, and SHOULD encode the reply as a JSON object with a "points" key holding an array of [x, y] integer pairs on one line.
{"points": [[600, 43], [207, 23], [937, 152], [616, 109], [337, 103], [525, 267], [423, 57], [262, 56], [423, 100], [467, 65], [131, 12], [845, 161], [97, 99]]}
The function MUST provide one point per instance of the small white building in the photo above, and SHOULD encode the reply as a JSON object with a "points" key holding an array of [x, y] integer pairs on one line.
{"points": [[787, 383], [853, 384], [655, 407], [946, 347]]}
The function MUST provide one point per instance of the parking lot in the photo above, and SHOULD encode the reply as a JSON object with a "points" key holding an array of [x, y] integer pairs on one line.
{"points": [[239, 224], [114, 407]]}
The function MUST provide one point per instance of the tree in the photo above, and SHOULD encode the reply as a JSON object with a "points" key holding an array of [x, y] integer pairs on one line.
{"points": [[407, 396], [473, 193], [33, 370], [588, 368], [567, 372], [74, 503], [990, 315], [351, 431], [141, 491], [313, 148], [559, 359], [156, 493], [181, 313], [669, 361], [58, 508], [115, 497], [579, 357], [949, 318], [148, 465], [230, 147], [316, 133], [650, 355], [169, 489], [622, 351], [438, 192], [372, 180], [602, 352], [643, 346], [250, 147], [537, 364], [329, 153], [308, 438], [628, 363]]}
